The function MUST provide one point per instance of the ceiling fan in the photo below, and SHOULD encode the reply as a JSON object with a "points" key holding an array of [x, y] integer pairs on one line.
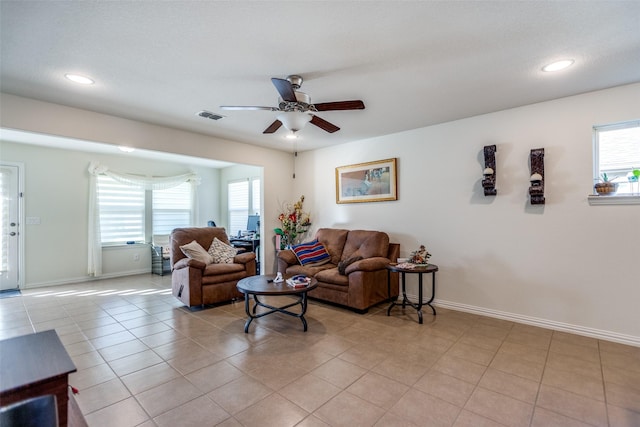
{"points": [[296, 109]]}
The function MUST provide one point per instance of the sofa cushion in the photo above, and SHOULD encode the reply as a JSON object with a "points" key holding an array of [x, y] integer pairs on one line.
{"points": [[332, 276], [311, 253], [203, 235], [193, 250], [365, 243], [296, 269], [221, 253], [333, 239]]}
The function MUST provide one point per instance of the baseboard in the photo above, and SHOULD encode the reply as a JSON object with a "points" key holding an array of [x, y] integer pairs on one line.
{"points": [[542, 323], [84, 279]]}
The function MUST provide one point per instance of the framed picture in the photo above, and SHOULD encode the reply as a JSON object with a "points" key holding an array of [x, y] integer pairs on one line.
{"points": [[367, 182]]}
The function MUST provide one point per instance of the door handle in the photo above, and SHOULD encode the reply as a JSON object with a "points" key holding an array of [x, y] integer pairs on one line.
{"points": [[13, 233], [13, 224]]}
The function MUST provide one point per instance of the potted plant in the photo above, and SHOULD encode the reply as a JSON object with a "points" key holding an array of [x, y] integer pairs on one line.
{"points": [[607, 187]]}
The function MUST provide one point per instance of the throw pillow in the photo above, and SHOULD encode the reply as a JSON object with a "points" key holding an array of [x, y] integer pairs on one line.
{"points": [[193, 250], [342, 265], [221, 252], [311, 254]]}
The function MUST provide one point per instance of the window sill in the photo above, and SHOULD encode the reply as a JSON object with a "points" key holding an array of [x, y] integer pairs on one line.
{"points": [[623, 199], [120, 246]]}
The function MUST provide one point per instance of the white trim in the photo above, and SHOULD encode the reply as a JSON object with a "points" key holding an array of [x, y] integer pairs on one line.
{"points": [[22, 220], [542, 323], [630, 199], [84, 279]]}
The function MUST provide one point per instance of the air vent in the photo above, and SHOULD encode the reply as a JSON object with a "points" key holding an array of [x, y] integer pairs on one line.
{"points": [[210, 115]]}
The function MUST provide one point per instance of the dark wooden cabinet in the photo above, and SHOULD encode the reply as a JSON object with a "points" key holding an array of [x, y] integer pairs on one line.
{"points": [[35, 365]]}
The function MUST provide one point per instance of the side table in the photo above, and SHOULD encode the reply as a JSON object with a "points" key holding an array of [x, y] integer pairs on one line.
{"points": [[419, 270], [34, 365]]}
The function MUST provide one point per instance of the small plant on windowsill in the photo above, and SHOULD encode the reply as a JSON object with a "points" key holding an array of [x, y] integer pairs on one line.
{"points": [[634, 178], [607, 187]]}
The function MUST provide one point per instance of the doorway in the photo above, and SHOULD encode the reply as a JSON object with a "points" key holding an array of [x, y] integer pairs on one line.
{"points": [[10, 235]]}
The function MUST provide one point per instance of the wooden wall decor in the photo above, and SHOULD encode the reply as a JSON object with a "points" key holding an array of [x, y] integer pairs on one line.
{"points": [[489, 173], [536, 190]]}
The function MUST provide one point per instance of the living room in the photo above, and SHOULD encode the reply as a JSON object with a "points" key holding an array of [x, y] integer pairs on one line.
{"points": [[568, 265]]}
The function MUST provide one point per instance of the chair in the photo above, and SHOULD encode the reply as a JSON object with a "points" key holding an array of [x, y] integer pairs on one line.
{"points": [[196, 283], [39, 411]]}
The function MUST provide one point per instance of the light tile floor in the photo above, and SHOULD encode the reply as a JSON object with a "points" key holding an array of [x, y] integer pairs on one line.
{"points": [[145, 360]]}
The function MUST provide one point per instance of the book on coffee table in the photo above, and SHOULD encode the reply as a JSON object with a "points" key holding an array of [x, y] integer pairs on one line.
{"points": [[299, 281]]}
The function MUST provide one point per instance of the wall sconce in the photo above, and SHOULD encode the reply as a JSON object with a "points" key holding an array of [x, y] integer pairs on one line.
{"points": [[536, 190], [489, 173]]}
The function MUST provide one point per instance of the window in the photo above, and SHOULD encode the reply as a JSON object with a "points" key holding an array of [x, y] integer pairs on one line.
{"points": [[172, 208], [122, 211], [617, 153], [124, 207], [243, 198]]}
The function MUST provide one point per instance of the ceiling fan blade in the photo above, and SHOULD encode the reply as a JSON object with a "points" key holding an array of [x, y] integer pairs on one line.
{"points": [[324, 125], [285, 89], [273, 127], [340, 105], [248, 107]]}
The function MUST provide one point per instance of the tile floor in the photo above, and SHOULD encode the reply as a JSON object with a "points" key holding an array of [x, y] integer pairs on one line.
{"points": [[144, 360]]}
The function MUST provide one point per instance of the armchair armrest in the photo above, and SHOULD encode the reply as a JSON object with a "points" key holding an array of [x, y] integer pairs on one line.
{"points": [[188, 262], [244, 257], [288, 256], [368, 264]]}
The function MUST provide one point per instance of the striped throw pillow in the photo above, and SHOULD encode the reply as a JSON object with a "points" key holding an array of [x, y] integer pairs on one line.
{"points": [[311, 254]]}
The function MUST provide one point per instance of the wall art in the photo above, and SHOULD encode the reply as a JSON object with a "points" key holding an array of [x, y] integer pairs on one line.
{"points": [[367, 182]]}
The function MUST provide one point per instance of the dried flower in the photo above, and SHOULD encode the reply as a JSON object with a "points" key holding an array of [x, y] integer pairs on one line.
{"points": [[421, 256], [294, 220]]}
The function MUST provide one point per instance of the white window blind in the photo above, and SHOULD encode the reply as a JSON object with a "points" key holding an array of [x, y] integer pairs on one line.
{"points": [[238, 203], [172, 208], [255, 197], [243, 199], [122, 209]]}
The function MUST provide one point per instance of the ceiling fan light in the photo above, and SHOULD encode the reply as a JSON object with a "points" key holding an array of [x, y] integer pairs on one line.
{"points": [[294, 120], [291, 135]]}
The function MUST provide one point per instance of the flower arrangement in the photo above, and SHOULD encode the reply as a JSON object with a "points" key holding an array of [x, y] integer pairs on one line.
{"points": [[294, 223], [421, 256]]}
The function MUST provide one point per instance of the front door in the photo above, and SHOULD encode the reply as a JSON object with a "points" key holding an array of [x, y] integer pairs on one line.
{"points": [[9, 226]]}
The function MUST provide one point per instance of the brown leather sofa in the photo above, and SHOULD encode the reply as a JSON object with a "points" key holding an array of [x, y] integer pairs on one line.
{"points": [[195, 283], [364, 283]]}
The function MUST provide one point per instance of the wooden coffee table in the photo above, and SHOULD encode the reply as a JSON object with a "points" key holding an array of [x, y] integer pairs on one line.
{"points": [[253, 286]]}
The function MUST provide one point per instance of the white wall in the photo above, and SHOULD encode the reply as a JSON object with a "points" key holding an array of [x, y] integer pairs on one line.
{"points": [[56, 192], [565, 264]]}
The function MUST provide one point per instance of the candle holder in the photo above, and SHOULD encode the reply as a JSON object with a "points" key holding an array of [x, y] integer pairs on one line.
{"points": [[536, 190], [489, 173]]}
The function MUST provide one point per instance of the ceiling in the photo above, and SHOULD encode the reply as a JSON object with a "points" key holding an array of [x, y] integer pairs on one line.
{"points": [[413, 63]]}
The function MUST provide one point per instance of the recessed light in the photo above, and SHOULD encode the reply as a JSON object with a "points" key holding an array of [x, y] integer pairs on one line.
{"points": [[126, 149], [558, 65], [77, 78]]}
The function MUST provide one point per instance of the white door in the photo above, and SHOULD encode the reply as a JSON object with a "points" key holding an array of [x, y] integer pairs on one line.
{"points": [[9, 226]]}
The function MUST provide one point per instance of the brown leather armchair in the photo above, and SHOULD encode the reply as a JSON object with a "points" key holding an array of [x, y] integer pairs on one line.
{"points": [[195, 283]]}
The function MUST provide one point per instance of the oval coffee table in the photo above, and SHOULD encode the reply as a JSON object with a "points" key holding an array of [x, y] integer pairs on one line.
{"points": [[263, 285]]}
